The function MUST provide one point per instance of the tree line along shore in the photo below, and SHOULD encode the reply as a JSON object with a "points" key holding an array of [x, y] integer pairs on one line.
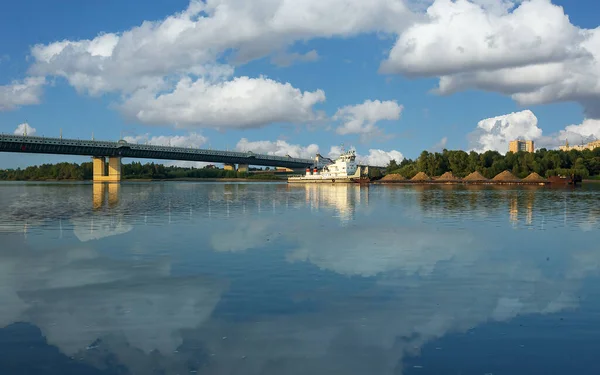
{"points": [[489, 164], [131, 171]]}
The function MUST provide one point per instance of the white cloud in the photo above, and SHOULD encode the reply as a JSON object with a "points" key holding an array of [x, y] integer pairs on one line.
{"points": [[495, 133], [156, 65], [526, 49], [587, 131], [532, 52], [278, 148], [240, 103], [193, 140], [462, 36], [142, 56], [379, 158], [24, 128], [20, 93], [362, 118], [287, 59]]}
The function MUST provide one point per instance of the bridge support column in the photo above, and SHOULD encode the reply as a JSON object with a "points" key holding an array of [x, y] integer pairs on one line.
{"points": [[114, 169], [229, 167], [99, 168], [243, 167]]}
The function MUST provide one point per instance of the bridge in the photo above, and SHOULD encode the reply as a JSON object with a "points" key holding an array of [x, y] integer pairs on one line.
{"points": [[114, 151]]}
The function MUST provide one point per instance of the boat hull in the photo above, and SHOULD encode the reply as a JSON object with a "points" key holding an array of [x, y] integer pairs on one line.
{"points": [[570, 180], [332, 180]]}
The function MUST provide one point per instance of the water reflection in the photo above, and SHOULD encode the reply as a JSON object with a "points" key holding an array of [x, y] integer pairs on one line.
{"points": [[100, 190], [81, 300], [341, 197], [272, 279]]}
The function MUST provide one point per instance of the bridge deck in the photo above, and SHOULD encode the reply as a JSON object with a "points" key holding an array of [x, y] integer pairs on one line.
{"points": [[43, 145]]}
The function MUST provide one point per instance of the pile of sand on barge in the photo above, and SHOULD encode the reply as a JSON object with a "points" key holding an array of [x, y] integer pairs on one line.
{"points": [[393, 177], [448, 177], [475, 177], [506, 176], [421, 176], [534, 177]]}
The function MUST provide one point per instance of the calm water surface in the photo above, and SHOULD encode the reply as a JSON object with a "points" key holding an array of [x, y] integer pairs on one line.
{"points": [[211, 278]]}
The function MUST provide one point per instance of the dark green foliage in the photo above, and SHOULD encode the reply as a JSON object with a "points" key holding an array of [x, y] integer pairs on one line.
{"points": [[135, 170], [60, 171], [544, 162]]}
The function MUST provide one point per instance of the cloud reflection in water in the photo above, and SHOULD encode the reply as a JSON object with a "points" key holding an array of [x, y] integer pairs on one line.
{"points": [[430, 262]]}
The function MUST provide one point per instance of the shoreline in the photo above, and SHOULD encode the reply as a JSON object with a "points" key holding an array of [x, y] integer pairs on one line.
{"points": [[187, 179], [434, 182], [192, 179], [284, 180]]}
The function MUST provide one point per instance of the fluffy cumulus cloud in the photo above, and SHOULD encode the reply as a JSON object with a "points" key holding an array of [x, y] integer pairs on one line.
{"points": [[239, 103], [377, 158], [179, 70], [24, 128], [495, 133], [184, 42], [156, 65], [381, 158], [278, 148], [362, 118], [529, 50], [20, 93], [193, 140], [587, 131], [459, 36]]}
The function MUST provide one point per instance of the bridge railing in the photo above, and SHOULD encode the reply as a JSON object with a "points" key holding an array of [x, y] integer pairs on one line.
{"points": [[144, 147]]}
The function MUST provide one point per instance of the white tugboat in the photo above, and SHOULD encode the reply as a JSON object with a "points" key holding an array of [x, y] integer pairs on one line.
{"points": [[343, 170]]}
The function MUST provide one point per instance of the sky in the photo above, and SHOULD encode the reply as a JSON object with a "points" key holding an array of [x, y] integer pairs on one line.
{"points": [[390, 78]]}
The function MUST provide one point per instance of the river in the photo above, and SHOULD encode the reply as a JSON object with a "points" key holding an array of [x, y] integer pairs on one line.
{"points": [[270, 278]]}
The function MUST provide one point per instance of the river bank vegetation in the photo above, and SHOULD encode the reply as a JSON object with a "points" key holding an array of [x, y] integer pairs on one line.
{"points": [[134, 170], [490, 163]]}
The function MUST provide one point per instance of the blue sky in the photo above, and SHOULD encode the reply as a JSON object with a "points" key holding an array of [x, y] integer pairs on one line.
{"points": [[185, 81]]}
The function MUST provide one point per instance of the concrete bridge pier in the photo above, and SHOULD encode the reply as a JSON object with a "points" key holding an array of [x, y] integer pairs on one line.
{"points": [[243, 167], [114, 169]]}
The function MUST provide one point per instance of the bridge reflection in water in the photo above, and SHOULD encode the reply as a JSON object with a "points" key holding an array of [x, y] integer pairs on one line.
{"points": [[99, 191]]}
